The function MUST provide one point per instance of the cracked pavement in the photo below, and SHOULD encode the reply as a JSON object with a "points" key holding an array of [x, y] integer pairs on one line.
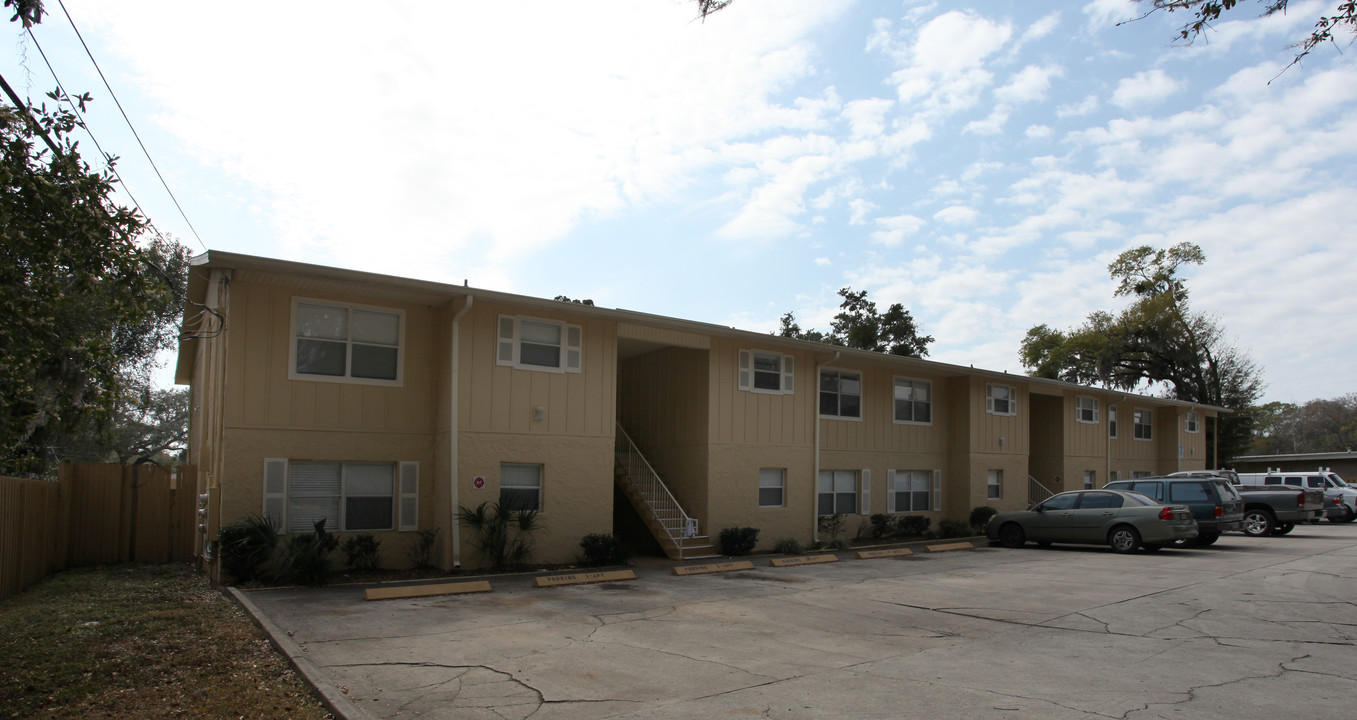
{"points": [[1250, 628]]}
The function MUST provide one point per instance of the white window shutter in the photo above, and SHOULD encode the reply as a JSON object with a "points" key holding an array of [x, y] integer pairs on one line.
{"points": [[788, 375], [937, 490], [866, 492], [275, 492], [746, 380], [890, 491], [508, 347], [989, 398], [574, 347], [409, 495]]}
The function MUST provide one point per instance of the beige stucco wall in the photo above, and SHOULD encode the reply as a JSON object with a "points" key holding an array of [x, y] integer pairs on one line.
{"points": [[663, 405], [577, 487], [734, 498]]}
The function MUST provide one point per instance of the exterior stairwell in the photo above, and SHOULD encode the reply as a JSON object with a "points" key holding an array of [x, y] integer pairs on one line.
{"points": [[676, 532]]}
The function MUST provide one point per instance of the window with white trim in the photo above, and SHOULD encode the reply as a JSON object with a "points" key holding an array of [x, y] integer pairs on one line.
{"points": [[994, 484], [1112, 422], [772, 487], [520, 486], [1192, 422], [346, 343], [1142, 423], [531, 343], [837, 492], [912, 491], [840, 394], [766, 372], [1137, 474], [348, 496], [1090, 479], [1001, 399], [913, 401], [1086, 409]]}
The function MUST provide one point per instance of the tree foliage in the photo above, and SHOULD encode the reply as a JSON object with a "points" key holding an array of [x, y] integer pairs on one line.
{"points": [[1202, 13], [860, 326], [1158, 341], [87, 296], [1316, 426]]}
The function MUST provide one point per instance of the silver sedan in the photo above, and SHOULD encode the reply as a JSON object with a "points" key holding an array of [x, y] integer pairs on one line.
{"points": [[1125, 521]]}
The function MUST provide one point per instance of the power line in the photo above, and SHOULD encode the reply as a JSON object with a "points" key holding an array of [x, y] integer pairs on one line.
{"points": [[128, 120]]}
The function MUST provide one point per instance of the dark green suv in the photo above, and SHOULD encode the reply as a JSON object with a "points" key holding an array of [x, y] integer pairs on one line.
{"points": [[1215, 504]]}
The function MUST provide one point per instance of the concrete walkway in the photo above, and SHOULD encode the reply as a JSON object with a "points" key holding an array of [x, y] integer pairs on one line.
{"points": [[1251, 628]]}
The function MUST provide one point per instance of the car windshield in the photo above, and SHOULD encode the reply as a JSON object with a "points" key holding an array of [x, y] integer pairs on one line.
{"points": [[1337, 480], [1138, 498]]}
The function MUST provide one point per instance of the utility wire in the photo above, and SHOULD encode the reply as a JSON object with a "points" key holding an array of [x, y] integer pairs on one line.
{"points": [[113, 95], [86, 126]]}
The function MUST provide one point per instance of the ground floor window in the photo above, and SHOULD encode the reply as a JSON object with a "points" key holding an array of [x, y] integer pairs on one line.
{"points": [[1140, 474], [520, 486], [838, 492], [348, 496], [912, 491], [772, 487], [1090, 479], [995, 485]]}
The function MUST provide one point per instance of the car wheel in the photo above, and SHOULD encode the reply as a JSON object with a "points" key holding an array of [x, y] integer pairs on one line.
{"points": [[1204, 540], [1151, 547], [1283, 528], [1011, 536], [1352, 515], [1258, 523], [1123, 539]]}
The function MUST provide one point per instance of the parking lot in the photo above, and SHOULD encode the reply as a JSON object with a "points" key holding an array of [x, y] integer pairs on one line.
{"points": [[1249, 628]]}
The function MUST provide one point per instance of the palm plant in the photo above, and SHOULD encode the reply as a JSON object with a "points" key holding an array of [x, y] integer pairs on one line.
{"points": [[503, 535]]}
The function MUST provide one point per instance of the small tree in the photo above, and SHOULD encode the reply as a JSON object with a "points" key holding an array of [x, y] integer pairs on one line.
{"points": [[503, 536]]}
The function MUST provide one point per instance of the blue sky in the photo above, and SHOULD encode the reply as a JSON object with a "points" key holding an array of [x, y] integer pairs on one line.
{"points": [[979, 162]]}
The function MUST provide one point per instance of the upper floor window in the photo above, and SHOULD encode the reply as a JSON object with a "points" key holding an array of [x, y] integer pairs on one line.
{"points": [[536, 344], [1142, 422], [766, 372], [342, 343], [913, 400], [1192, 422], [1086, 409], [840, 394], [1111, 422], [1001, 399]]}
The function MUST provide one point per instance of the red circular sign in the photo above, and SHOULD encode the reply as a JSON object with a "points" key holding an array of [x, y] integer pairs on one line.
{"points": [[479, 483]]}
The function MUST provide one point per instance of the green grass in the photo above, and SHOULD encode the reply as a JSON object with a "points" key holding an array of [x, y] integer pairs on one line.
{"points": [[140, 641]]}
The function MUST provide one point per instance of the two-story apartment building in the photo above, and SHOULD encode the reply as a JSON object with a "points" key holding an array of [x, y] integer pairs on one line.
{"points": [[384, 404]]}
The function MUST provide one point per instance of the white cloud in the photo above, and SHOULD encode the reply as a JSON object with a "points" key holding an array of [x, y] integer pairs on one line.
{"points": [[956, 215], [1038, 131], [895, 229], [1029, 84], [1104, 14], [1144, 88], [993, 124], [945, 70], [823, 262], [860, 209], [1083, 107]]}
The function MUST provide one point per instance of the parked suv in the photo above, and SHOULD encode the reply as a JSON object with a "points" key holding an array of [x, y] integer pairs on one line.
{"points": [[1214, 502]]}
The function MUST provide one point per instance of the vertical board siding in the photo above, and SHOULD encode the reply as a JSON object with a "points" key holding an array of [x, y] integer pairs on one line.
{"points": [[86, 518]]}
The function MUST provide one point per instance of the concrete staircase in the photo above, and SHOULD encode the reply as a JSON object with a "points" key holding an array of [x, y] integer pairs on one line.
{"points": [[669, 524]]}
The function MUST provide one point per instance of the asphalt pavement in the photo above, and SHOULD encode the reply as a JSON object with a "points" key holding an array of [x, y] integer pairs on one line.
{"points": [[1249, 628]]}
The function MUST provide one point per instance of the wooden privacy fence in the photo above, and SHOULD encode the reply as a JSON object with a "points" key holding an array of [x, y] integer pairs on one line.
{"points": [[94, 514]]}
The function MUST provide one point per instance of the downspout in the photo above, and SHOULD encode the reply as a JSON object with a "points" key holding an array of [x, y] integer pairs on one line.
{"points": [[1107, 478], [815, 475], [452, 431]]}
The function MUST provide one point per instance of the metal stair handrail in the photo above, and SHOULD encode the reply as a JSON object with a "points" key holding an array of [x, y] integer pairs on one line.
{"points": [[1033, 481], [662, 504]]}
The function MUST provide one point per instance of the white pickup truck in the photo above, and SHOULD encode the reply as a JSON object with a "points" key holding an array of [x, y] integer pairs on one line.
{"points": [[1340, 498]]}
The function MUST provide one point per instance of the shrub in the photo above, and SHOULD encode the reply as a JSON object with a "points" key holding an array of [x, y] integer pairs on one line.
{"points": [[246, 546], [913, 525], [881, 525], [739, 540], [360, 552], [600, 549], [980, 516], [834, 544], [831, 525], [789, 546], [954, 529], [306, 558], [421, 553], [503, 536]]}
